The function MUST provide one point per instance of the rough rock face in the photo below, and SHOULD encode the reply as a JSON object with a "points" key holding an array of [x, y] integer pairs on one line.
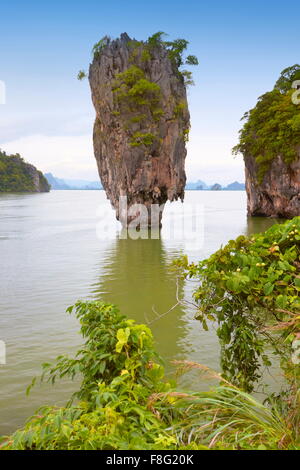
{"points": [[140, 150], [40, 183], [279, 193]]}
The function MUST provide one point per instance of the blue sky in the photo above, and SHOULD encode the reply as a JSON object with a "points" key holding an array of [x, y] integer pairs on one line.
{"points": [[48, 115]]}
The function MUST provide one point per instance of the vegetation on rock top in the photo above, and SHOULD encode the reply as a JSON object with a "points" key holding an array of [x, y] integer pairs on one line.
{"points": [[137, 99], [272, 128]]}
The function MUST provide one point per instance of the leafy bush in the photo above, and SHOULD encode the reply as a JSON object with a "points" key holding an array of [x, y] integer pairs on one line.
{"points": [[287, 77], [140, 138], [175, 49], [106, 333], [81, 75], [251, 289], [99, 46], [127, 404], [139, 100], [135, 91], [119, 372]]}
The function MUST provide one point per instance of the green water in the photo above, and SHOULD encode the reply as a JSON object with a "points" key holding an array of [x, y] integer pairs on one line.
{"points": [[51, 254]]}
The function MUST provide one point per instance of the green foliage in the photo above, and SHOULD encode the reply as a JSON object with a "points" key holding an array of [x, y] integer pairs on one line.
{"points": [[119, 373], [186, 135], [130, 77], [287, 77], [175, 50], [272, 128], [156, 40], [191, 60], [179, 109], [126, 403], [134, 90], [17, 176], [103, 328], [81, 75], [187, 77], [225, 418], [139, 100], [146, 56], [144, 92], [251, 289], [140, 138], [99, 46]]}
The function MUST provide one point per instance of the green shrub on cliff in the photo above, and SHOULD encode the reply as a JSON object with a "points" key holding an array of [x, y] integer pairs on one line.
{"points": [[287, 77], [175, 48], [138, 101], [272, 128], [133, 90], [17, 176]]}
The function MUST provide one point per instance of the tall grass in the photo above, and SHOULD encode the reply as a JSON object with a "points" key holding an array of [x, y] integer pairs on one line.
{"points": [[228, 418]]}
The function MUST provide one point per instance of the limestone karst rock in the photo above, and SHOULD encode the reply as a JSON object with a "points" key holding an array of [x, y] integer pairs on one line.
{"points": [[141, 127], [270, 144], [278, 195]]}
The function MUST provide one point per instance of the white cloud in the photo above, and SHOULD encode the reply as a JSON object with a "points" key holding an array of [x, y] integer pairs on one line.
{"points": [[210, 159], [64, 156], [24, 123]]}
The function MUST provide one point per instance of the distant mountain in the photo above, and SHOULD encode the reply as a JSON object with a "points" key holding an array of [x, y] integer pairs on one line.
{"points": [[67, 184], [56, 183], [198, 186], [18, 176], [59, 183], [83, 184], [236, 186], [216, 187], [202, 186]]}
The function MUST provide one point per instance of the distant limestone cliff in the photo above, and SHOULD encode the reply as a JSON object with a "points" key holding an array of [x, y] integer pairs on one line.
{"points": [[142, 120], [270, 144], [18, 176], [70, 184]]}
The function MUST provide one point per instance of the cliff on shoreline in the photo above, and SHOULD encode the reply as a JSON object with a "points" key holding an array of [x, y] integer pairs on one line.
{"points": [[270, 145], [278, 195], [18, 176]]}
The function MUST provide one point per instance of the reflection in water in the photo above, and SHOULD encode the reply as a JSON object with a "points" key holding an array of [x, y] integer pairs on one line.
{"points": [[50, 256], [260, 224], [137, 279]]}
